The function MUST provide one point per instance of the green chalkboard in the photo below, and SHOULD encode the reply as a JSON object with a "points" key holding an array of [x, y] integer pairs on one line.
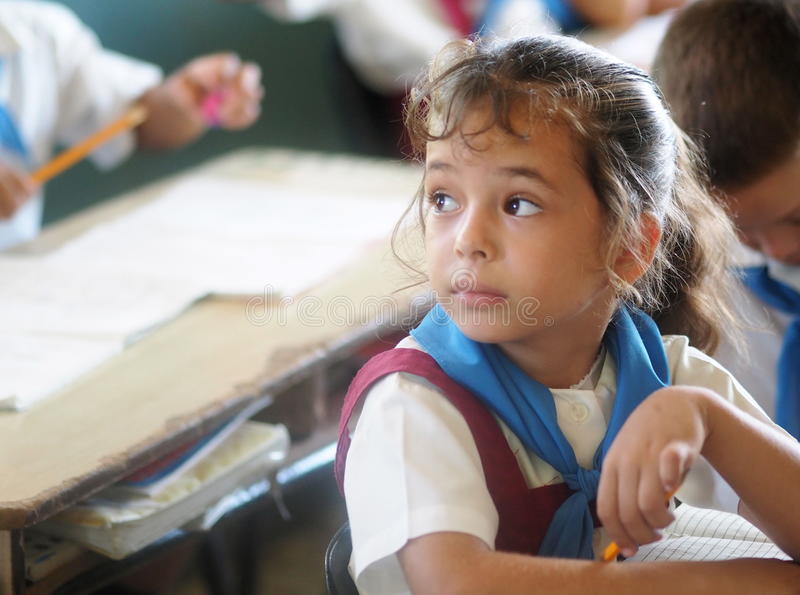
{"points": [[312, 100]]}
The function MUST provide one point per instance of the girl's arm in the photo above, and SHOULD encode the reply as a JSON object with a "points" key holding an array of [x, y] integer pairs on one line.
{"points": [[661, 440], [445, 563], [761, 464]]}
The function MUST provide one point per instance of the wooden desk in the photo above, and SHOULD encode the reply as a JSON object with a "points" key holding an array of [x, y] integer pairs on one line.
{"points": [[179, 381]]}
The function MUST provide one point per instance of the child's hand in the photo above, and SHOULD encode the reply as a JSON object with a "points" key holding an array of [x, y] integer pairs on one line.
{"points": [[648, 460], [222, 89], [16, 188], [214, 90]]}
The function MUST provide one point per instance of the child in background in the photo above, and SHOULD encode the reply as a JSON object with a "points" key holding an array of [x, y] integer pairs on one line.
{"points": [[388, 43], [729, 70], [560, 211], [58, 86], [382, 46]]}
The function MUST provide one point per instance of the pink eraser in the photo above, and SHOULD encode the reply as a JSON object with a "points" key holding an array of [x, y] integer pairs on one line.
{"points": [[210, 108]]}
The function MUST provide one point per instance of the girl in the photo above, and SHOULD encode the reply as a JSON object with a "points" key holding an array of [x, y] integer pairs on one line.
{"points": [[559, 209]]}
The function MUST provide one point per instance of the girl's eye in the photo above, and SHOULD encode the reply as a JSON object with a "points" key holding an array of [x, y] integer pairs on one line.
{"points": [[521, 207], [442, 203]]}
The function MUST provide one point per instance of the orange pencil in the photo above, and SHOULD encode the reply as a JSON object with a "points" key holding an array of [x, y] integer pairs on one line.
{"points": [[612, 549], [132, 118]]}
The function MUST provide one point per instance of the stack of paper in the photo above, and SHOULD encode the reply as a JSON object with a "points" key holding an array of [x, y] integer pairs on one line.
{"points": [[45, 554], [151, 480], [117, 525]]}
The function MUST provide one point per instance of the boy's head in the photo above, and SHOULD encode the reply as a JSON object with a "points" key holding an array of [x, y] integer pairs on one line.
{"points": [[730, 70]]}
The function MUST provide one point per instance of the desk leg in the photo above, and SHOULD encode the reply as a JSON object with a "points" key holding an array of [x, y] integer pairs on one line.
{"points": [[12, 562]]}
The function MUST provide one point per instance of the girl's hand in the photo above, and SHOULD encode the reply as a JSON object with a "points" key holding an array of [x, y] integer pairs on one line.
{"points": [[648, 460]]}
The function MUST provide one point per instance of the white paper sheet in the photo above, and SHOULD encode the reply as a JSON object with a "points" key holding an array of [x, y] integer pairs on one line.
{"points": [[35, 366], [85, 300], [62, 314], [235, 237]]}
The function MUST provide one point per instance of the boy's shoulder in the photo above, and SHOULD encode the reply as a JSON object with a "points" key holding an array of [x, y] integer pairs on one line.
{"points": [[47, 15]]}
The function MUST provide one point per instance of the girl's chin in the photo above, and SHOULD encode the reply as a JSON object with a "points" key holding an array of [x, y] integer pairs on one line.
{"points": [[490, 331]]}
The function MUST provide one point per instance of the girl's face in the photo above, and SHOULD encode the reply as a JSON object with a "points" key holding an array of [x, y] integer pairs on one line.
{"points": [[514, 234]]}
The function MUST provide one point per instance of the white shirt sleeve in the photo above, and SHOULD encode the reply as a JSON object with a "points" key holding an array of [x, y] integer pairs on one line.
{"points": [[299, 10], [408, 439], [390, 43], [96, 85]]}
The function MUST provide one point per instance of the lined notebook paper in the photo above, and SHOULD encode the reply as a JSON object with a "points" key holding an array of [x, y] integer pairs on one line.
{"points": [[704, 534]]}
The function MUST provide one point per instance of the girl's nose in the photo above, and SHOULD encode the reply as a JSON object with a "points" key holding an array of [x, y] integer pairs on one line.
{"points": [[475, 237]]}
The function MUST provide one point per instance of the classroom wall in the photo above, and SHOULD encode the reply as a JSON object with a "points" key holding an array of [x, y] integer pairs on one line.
{"points": [[312, 100]]}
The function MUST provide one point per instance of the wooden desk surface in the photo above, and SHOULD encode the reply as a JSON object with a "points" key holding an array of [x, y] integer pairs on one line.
{"points": [[178, 381]]}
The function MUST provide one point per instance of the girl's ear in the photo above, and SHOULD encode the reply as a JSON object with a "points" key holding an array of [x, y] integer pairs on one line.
{"points": [[631, 264]]}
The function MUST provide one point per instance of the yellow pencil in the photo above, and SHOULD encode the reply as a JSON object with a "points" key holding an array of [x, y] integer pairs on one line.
{"points": [[612, 549], [132, 118]]}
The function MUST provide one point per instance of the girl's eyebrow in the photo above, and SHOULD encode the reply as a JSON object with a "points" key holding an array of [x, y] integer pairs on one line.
{"points": [[526, 172], [438, 166], [510, 172]]}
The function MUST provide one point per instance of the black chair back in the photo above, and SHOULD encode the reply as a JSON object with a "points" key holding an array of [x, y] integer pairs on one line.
{"points": [[337, 557]]}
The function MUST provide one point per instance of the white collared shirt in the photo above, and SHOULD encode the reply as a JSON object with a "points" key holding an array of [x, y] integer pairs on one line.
{"points": [[59, 86], [413, 467]]}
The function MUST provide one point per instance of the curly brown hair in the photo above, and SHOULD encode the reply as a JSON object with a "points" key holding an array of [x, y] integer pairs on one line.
{"points": [[636, 159]]}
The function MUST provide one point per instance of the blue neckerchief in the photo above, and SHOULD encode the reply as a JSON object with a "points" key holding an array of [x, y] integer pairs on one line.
{"points": [[10, 138], [561, 11], [528, 407], [782, 297]]}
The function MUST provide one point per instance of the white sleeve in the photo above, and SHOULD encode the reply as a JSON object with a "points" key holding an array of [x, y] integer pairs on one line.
{"points": [[387, 43], [412, 469], [96, 85], [703, 486]]}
